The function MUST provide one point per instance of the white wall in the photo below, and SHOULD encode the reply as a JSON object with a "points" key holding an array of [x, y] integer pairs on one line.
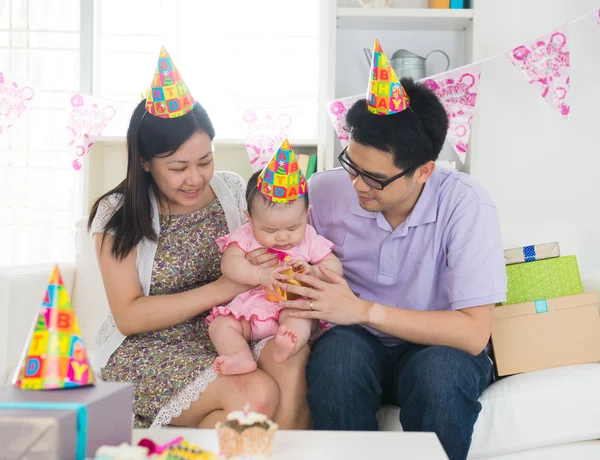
{"points": [[537, 166]]}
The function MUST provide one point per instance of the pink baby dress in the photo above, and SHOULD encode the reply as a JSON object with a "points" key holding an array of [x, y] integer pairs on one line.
{"points": [[253, 305]]}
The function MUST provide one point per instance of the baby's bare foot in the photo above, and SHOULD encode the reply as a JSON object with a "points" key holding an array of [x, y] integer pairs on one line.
{"points": [[238, 363], [285, 343]]}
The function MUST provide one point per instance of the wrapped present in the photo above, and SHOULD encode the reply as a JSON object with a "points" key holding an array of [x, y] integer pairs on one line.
{"points": [[546, 333], [543, 279], [531, 253], [36, 438], [279, 293], [87, 417]]}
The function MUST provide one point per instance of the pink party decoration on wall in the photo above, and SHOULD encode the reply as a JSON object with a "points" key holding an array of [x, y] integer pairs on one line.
{"points": [[546, 64], [458, 90], [266, 130], [15, 95], [88, 117], [337, 111], [598, 16]]}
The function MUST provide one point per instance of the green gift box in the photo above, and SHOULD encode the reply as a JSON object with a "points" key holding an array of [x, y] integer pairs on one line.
{"points": [[543, 279]]}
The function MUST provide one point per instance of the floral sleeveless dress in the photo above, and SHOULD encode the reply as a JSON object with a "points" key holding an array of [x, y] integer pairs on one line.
{"points": [[171, 367]]}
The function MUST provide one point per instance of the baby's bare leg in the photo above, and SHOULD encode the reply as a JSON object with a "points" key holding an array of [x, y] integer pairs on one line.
{"points": [[230, 337], [292, 335]]}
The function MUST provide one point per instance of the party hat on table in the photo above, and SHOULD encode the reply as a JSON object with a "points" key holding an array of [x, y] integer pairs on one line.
{"points": [[54, 356], [282, 180], [385, 93], [168, 96]]}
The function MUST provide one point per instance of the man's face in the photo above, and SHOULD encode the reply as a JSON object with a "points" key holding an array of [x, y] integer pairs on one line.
{"points": [[380, 165]]}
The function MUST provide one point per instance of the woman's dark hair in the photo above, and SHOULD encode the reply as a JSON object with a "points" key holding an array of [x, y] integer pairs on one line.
{"points": [[147, 137], [252, 193], [413, 137]]}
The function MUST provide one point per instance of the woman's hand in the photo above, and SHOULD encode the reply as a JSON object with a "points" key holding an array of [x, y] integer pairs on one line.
{"points": [[261, 257], [333, 302], [271, 277], [231, 289]]}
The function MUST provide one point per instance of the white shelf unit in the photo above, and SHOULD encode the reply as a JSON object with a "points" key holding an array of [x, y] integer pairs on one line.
{"points": [[346, 29], [403, 18]]}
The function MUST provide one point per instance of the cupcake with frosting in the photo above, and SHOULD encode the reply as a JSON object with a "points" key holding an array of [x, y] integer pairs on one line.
{"points": [[246, 433]]}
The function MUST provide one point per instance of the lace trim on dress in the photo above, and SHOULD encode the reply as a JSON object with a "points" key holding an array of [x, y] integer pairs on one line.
{"points": [[184, 399]]}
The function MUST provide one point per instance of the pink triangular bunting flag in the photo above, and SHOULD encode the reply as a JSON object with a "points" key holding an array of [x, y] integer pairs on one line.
{"points": [[88, 117], [15, 95], [337, 111], [458, 90], [265, 131], [546, 64]]}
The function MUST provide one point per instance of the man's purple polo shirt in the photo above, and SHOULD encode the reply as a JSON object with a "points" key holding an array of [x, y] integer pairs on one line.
{"points": [[446, 256]]}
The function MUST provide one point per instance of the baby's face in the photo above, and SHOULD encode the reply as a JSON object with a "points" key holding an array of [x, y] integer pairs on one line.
{"points": [[280, 226]]}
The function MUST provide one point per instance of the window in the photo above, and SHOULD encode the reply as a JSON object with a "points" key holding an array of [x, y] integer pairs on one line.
{"points": [[234, 55], [40, 195]]}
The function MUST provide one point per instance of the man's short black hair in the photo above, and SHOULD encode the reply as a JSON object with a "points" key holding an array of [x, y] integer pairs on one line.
{"points": [[413, 137], [252, 191]]}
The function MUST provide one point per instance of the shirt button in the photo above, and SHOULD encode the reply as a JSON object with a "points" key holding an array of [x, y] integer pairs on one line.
{"points": [[389, 260]]}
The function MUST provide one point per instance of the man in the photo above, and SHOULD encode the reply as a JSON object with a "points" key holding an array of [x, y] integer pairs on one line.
{"points": [[423, 267]]}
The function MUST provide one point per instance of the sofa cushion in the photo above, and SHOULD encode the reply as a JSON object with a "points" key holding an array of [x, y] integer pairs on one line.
{"points": [[89, 296], [536, 409]]}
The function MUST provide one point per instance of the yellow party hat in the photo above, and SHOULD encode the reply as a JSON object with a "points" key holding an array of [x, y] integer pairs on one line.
{"points": [[168, 96], [54, 356], [282, 180], [385, 93]]}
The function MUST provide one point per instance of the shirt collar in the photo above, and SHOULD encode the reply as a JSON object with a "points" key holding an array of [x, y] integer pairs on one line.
{"points": [[425, 210]]}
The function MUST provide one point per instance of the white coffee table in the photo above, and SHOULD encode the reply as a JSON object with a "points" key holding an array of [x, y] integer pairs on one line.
{"points": [[322, 445]]}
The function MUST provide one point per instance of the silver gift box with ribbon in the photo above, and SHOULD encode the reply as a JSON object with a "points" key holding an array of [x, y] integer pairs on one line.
{"points": [[531, 253], [71, 424]]}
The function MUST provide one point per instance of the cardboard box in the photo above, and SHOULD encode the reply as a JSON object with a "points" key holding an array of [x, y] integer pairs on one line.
{"points": [[546, 333], [531, 253], [438, 3], [87, 417], [543, 279], [29, 438]]}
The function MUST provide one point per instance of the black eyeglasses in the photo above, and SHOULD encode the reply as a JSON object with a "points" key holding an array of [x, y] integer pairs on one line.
{"points": [[367, 178]]}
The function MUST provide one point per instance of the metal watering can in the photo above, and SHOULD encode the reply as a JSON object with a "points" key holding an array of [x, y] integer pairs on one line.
{"points": [[407, 64]]}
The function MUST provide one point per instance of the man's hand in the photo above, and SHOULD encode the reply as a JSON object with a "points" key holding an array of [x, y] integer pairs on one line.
{"points": [[329, 301], [262, 258]]}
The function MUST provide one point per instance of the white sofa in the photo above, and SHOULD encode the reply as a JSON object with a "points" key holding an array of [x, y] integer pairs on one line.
{"points": [[551, 414]]}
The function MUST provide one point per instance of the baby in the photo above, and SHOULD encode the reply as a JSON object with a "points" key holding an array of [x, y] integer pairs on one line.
{"points": [[277, 220]]}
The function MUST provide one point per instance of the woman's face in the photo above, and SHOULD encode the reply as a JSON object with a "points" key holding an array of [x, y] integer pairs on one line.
{"points": [[183, 177]]}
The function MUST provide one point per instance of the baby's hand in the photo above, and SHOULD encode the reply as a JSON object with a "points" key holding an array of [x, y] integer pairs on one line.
{"points": [[270, 277], [302, 266]]}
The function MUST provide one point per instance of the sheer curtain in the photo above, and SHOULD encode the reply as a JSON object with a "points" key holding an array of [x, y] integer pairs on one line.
{"points": [[40, 194], [234, 55]]}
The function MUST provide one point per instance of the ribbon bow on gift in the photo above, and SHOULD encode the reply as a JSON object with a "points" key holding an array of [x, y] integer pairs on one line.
{"points": [[279, 293]]}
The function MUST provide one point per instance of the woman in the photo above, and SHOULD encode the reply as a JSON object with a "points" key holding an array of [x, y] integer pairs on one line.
{"points": [[154, 236]]}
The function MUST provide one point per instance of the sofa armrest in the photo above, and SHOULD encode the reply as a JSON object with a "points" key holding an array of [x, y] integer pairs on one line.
{"points": [[22, 290]]}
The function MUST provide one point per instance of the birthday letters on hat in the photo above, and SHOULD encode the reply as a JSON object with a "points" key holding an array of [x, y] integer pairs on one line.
{"points": [[385, 93], [282, 180], [168, 96], [54, 356]]}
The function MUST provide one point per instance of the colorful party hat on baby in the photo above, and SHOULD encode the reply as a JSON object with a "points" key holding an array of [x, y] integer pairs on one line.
{"points": [[385, 93], [169, 96], [282, 180], [54, 356]]}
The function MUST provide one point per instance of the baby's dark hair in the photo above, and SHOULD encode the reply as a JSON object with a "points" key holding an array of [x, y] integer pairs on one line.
{"points": [[252, 193]]}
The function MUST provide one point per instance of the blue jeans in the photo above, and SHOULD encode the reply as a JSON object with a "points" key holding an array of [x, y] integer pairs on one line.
{"points": [[350, 375]]}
